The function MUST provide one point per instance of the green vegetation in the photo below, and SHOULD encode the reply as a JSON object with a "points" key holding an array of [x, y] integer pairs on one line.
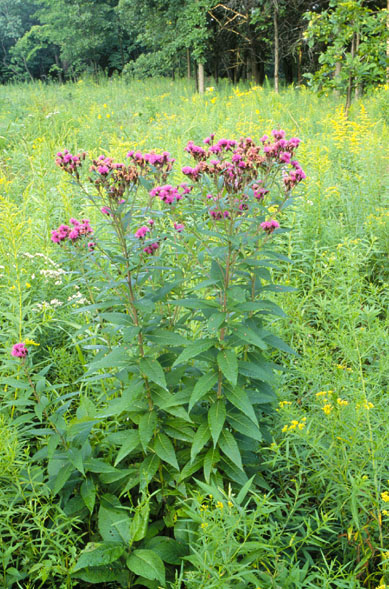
{"points": [[311, 505]]}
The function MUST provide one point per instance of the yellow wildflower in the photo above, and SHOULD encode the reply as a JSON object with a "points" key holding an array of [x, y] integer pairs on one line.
{"points": [[327, 408], [219, 505], [30, 342], [385, 496]]}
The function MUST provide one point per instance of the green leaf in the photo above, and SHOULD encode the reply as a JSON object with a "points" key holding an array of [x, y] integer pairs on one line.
{"points": [[255, 371], [165, 450], [216, 419], [215, 320], [202, 387], [217, 273], [147, 470], [239, 398], [211, 458], [99, 554], [130, 443], [195, 303], [228, 364], [61, 479], [244, 425], [153, 370], [167, 548], [194, 349], [244, 490], [248, 336], [147, 563], [75, 457], [140, 521], [88, 493], [103, 574], [147, 426], [277, 342], [228, 445], [118, 358], [201, 438], [265, 306], [114, 525], [167, 338]]}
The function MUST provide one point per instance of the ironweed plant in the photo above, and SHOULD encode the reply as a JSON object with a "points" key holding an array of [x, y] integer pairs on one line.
{"points": [[179, 383]]}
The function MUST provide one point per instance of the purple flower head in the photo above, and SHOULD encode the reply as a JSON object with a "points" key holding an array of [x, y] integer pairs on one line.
{"points": [[167, 193], [285, 157], [179, 227], [55, 238], [19, 350], [269, 226], [74, 234], [105, 210], [142, 231], [150, 249], [103, 170], [278, 134], [91, 245]]}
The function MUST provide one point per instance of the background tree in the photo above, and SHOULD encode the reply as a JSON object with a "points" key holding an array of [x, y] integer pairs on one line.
{"points": [[354, 36]]}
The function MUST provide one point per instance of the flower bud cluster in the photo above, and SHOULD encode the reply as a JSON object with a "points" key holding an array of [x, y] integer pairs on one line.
{"points": [[113, 177], [69, 162], [160, 164], [73, 232]]}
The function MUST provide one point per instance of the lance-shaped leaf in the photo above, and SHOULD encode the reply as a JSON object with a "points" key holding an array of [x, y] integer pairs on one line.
{"points": [[228, 365], [216, 419]]}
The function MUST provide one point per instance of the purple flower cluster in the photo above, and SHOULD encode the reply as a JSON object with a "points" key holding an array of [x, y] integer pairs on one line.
{"points": [[19, 350], [218, 215], [168, 193], [160, 164], [150, 249], [69, 162], [269, 226], [72, 233], [295, 176]]}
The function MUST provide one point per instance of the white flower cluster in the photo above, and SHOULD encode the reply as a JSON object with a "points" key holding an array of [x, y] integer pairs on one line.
{"points": [[45, 306], [78, 299]]}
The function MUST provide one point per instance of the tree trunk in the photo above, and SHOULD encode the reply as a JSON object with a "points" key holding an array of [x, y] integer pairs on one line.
{"points": [[27, 69], [338, 69], [358, 85], [60, 77], [299, 61], [188, 70], [350, 79], [201, 78], [276, 47]]}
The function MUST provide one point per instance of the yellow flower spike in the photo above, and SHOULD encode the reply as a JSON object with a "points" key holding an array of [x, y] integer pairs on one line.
{"points": [[219, 505], [385, 497], [30, 342], [284, 429]]}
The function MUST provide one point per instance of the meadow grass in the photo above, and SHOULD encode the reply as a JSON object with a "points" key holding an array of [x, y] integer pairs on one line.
{"points": [[337, 317]]}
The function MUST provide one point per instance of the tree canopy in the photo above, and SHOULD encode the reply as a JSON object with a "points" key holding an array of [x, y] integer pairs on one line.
{"points": [[326, 42]]}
